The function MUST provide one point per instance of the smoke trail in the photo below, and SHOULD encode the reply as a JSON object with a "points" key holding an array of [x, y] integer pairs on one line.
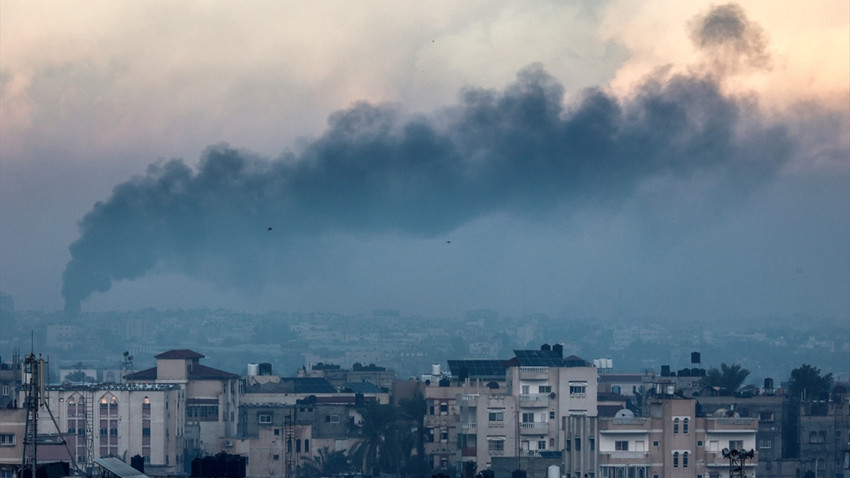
{"points": [[374, 170]]}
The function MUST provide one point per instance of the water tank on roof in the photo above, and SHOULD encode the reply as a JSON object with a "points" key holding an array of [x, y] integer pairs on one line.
{"points": [[435, 370], [554, 471], [253, 369], [265, 368], [695, 358]]}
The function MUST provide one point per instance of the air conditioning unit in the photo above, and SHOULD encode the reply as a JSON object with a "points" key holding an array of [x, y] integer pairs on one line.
{"points": [[228, 443]]}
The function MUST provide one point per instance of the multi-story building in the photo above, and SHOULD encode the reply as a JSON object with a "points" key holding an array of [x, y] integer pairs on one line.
{"points": [[103, 420], [669, 441], [518, 422], [211, 399]]}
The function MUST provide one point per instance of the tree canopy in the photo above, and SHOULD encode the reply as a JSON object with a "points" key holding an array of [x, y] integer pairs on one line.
{"points": [[727, 380], [807, 383]]}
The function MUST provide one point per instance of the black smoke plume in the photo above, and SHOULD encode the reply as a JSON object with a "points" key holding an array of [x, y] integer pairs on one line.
{"points": [[375, 170]]}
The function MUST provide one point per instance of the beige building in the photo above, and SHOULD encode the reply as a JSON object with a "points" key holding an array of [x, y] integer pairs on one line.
{"points": [[98, 421], [211, 399], [671, 441], [520, 422]]}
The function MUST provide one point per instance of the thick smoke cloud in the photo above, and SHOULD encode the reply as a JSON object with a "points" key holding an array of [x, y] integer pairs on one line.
{"points": [[729, 41], [375, 170]]}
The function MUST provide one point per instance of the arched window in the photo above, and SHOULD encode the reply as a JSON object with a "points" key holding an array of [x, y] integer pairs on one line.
{"points": [[685, 458], [685, 423], [675, 426], [676, 460]]}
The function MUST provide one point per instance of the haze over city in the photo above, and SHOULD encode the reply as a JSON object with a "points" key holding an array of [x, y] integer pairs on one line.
{"points": [[666, 160]]}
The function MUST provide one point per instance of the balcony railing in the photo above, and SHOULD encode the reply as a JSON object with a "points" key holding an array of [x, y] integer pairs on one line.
{"points": [[534, 400], [534, 372], [533, 427], [469, 426]]}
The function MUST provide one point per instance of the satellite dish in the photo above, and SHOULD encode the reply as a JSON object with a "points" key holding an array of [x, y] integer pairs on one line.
{"points": [[624, 413]]}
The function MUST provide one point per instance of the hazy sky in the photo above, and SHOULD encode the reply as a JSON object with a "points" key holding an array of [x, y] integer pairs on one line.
{"points": [[639, 159]]}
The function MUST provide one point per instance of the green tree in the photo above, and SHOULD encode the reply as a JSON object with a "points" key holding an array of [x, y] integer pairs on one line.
{"points": [[379, 447], [78, 376], [413, 411], [727, 380], [325, 463], [807, 383]]}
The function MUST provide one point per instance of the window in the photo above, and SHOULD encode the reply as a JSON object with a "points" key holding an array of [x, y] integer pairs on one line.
{"points": [[766, 416], [333, 418], [685, 423], [591, 444], [655, 443], [525, 390], [276, 457], [675, 426], [306, 445], [264, 418], [444, 435], [736, 444], [7, 439], [444, 408], [766, 443], [699, 442], [277, 431], [544, 389], [578, 444], [496, 416], [496, 447], [552, 414], [676, 459], [202, 413], [685, 459], [541, 444], [527, 417], [578, 389], [621, 445]]}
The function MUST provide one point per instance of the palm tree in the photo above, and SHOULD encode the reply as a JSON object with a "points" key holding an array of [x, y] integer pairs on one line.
{"points": [[807, 383], [413, 410], [325, 463], [378, 448], [727, 380]]}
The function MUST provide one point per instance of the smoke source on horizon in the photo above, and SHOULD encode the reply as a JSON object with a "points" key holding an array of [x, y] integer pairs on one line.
{"points": [[374, 170]]}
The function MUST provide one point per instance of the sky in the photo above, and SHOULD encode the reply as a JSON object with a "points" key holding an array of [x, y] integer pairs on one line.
{"points": [[653, 159]]}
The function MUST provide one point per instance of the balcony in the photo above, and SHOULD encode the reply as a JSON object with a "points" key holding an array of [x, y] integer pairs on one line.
{"points": [[534, 400], [469, 426], [534, 373], [534, 428], [624, 455]]}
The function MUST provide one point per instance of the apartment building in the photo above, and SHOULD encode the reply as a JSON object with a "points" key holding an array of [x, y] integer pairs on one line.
{"points": [[211, 399], [518, 423], [99, 421], [669, 441]]}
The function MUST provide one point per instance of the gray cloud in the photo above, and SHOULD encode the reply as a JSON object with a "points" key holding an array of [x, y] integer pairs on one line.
{"points": [[375, 170], [731, 43]]}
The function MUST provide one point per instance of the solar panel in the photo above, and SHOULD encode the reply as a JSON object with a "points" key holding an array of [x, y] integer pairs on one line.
{"points": [[539, 358], [312, 385], [478, 368]]}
